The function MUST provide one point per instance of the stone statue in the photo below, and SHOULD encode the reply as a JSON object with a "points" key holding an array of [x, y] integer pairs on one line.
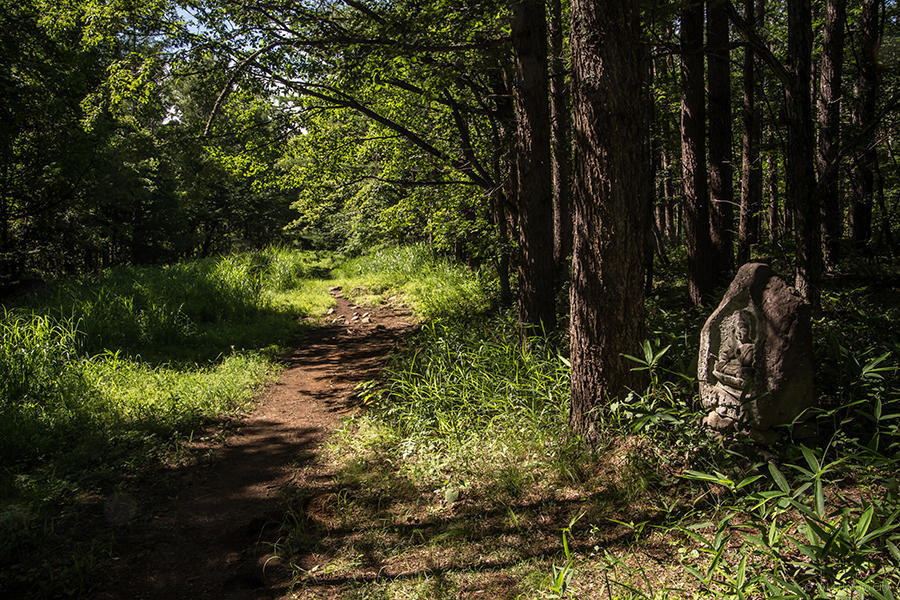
{"points": [[755, 362], [734, 367]]}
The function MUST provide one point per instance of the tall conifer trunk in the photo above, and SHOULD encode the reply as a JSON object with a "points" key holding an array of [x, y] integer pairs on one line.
{"points": [[772, 175], [693, 153], [751, 168], [537, 288], [799, 172], [721, 189], [612, 203], [561, 139], [864, 114], [829, 108]]}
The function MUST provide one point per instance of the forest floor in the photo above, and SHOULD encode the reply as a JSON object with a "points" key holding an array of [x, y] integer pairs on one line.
{"points": [[208, 527], [415, 449]]}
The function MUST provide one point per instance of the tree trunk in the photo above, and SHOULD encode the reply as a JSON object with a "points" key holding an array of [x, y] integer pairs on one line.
{"points": [[885, 237], [498, 213], [829, 108], [670, 230], [561, 140], [693, 154], [720, 154], [863, 117], [612, 203], [668, 200], [772, 174], [537, 288], [800, 175], [751, 168]]}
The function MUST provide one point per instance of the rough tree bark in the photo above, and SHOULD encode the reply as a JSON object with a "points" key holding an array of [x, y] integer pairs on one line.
{"points": [[799, 172], [537, 309], [829, 109], [863, 115], [751, 168], [561, 140], [611, 198], [693, 153], [721, 189]]}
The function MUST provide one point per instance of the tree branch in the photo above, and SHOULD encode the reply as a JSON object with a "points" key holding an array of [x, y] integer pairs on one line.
{"points": [[758, 44]]}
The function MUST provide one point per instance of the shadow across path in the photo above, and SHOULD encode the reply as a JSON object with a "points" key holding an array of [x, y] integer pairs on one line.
{"points": [[208, 530]]}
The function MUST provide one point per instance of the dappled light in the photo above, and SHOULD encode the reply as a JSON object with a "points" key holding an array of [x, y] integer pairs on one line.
{"points": [[431, 300]]}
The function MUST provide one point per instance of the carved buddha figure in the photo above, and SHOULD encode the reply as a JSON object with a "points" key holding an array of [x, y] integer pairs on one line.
{"points": [[734, 367]]}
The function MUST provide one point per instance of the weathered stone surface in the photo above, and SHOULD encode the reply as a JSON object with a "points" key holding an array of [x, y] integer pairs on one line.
{"points": [[755, 365]]}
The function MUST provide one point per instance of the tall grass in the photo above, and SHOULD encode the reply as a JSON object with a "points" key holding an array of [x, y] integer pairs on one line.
{"points": [[102, 376], [467, 403], [434, 286], [44, 395], [141, 309], [135, 355]]}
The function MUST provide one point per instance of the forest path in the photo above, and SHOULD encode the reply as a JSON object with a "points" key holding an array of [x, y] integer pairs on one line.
{"points": [[209, 531]]}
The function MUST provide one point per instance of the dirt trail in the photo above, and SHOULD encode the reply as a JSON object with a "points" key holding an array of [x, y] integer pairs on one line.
{"points": [[210, 534]]}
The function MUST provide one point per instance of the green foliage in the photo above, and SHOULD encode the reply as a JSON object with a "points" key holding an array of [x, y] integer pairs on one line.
{"points": [[74, 369], [44, 395], [467, 415], [801, 545], [466, 378], [102, 121], [102, 377], [357, 189], [186, 310], [434, 286]]}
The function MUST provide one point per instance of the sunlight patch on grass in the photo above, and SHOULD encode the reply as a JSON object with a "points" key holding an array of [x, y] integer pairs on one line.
{"points": [[103, 377], [433, 286]]}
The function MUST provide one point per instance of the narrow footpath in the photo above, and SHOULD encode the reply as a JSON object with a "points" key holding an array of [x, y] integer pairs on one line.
{"points": [[209, 531]]}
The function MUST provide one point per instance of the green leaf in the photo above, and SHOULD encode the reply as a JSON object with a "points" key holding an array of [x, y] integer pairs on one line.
{"points": [[742, 571], [864, 521], [779, 478], [747, 481], [718, 478], [811, 459], [815, 533], [895, 552], [753, 539], [820, 499], [695, 573]]}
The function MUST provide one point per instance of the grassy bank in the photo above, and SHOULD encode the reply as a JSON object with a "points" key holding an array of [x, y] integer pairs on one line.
{"points": [[102, 377], [461, 479], [433, 286]]}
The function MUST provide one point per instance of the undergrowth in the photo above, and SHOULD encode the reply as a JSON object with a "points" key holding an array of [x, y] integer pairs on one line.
{"points": [[432, 285], [461, 476], [102, 377]]}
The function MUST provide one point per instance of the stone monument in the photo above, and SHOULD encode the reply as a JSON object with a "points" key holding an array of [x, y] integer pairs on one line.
{"points": [[756, 365]]}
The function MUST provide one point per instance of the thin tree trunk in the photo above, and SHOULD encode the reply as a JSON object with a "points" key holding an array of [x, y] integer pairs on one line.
{"points": [[670, 230], [885, 235], [537, 288], [772, 174], [863, 116], [721, 188], [800, 174], [502, 259], [612, 203], [829, 108], [693, 154], [561, 140], [751, 168]]}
